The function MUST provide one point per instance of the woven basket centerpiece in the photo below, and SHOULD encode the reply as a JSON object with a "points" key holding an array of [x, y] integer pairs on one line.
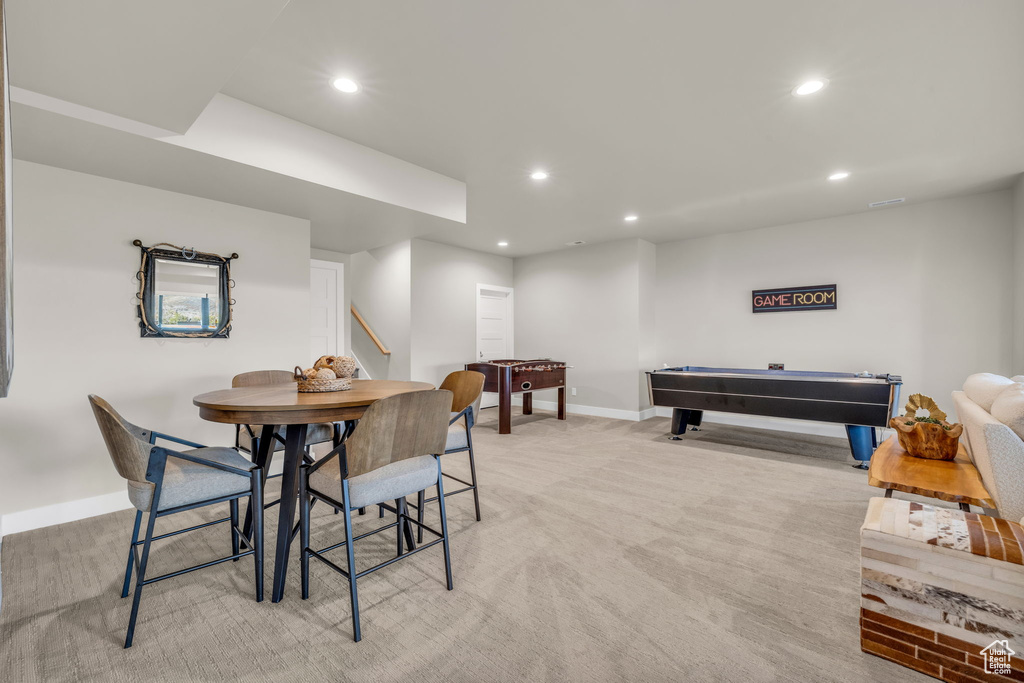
{"points": [[929, 437], [329, 373]]}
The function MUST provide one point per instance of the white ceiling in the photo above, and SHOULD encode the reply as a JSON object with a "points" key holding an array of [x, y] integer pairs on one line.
{"points": [[154, 62], [341, 221], [680, 112]]}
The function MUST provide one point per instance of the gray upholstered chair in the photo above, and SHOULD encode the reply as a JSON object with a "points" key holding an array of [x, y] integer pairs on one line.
{"points": [[325, 432], [163, 482], [467, 388], [391, 454]]}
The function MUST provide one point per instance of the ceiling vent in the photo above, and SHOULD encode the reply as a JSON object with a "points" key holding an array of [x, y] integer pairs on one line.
{"points": [[887, 202], [575, 244]]}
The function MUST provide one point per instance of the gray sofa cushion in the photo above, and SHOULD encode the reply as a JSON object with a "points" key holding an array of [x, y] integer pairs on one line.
{"points": [[396, 480], [187, 482]]}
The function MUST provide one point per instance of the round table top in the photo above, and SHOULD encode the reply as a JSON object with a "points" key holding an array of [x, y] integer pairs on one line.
{"points": [[282, 404]]}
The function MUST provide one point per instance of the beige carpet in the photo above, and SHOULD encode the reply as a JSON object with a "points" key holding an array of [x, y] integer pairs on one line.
{"points": [[607, 553]]}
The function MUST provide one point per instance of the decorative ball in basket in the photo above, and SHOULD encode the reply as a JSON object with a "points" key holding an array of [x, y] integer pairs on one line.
{"points": [[927, 437], [329, 373]]}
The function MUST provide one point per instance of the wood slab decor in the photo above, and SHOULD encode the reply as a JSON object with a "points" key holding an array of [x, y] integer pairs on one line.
{"points": [[956, 481], [6, 226]]}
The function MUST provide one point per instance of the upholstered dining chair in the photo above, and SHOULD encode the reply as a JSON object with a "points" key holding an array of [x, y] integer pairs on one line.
{"points": [[164, 482], [325, 432], [467, 388], [392, 454]]}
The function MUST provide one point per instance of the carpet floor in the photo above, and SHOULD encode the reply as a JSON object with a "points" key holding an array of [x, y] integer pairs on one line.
{"points": [[606, 553]]}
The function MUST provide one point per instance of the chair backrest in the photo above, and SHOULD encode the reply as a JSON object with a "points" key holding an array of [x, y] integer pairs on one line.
{"points": [[399, 427], [128, 444], [258, 378], [467, 386]]}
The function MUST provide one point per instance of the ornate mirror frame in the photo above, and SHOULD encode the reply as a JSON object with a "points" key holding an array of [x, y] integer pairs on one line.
{"points": [[148, 312]]}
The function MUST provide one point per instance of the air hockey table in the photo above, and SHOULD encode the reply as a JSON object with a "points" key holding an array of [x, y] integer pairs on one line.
{"points": [[860, 401]]}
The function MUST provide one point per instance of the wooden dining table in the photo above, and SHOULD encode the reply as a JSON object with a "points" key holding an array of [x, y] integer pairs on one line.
{"points": [[277, 405]]}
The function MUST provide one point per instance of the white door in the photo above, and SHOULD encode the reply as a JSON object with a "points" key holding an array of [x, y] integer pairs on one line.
{"points": [[326, 319], [493, 328]]}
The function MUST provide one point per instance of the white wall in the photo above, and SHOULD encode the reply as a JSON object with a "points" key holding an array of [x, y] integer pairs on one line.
{"points": [[76, 330], [582, 306], [924, 292], [1018, 270], [381, 283], [444, 280], [647, 259]]}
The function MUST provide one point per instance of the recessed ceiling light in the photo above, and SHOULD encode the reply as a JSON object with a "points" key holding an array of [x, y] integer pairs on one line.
{"points": [[539, 175], [839, 175], [502, 244], [631, 217], [345, 85], [810, 87]]}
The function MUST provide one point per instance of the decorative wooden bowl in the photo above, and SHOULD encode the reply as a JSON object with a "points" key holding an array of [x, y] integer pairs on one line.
{"points": [[927, 439], [316, 386]]}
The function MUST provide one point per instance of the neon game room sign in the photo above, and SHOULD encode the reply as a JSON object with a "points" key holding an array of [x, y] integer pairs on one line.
{"points": [[811, 298]]}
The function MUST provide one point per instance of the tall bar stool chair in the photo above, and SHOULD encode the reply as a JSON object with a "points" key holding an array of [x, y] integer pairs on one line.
{"points": [[394, 453], [467, 388], [163, 482], [325, 432]]}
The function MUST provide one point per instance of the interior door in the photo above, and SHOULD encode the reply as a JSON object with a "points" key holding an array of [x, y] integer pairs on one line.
{"points": [[493, 328], [326, 297]]}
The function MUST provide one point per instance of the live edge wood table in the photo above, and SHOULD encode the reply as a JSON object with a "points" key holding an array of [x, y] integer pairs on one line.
{"points": [[956, 481], [279, 405]]}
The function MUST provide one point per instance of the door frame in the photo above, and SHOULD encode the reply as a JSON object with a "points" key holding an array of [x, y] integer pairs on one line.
{"points": [[509, 317], [342, 316]]}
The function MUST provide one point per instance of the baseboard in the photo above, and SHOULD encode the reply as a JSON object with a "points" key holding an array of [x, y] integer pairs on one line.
{"points": [[71, 511], [773, 423], [74, 510], [595, 411]]}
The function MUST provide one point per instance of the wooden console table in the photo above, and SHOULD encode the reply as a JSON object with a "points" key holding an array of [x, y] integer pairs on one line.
{"points": [[956, 481]]}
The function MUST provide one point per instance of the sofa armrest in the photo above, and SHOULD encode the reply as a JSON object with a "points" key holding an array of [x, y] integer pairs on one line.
{"points": [[997, 452]]}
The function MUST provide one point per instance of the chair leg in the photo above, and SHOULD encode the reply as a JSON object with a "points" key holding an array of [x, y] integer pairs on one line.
{"points": [[472, 473], [356, 634], [131, 555], [233, 524], [141, 577], [264, 456], [256, 504], [407, 526], [444, 528], [401, 523], [420, 497], [304, 510]]}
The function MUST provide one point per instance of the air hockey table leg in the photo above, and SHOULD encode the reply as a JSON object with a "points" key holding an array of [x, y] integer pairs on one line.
{"points": [[862, 444], [681, 418]]}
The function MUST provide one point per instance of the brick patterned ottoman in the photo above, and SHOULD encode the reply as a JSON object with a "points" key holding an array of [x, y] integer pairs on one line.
{"points": [[943, 591]]}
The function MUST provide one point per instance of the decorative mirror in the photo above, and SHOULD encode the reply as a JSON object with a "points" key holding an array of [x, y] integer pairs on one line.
{"points": [[184, 292]]}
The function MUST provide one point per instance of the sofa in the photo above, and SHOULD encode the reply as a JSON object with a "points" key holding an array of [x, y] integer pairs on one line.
{"points": [[991, 409], [942, 590]]}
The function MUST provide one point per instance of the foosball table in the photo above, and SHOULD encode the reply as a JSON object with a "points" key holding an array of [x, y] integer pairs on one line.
{"points": [[507, 377]]}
